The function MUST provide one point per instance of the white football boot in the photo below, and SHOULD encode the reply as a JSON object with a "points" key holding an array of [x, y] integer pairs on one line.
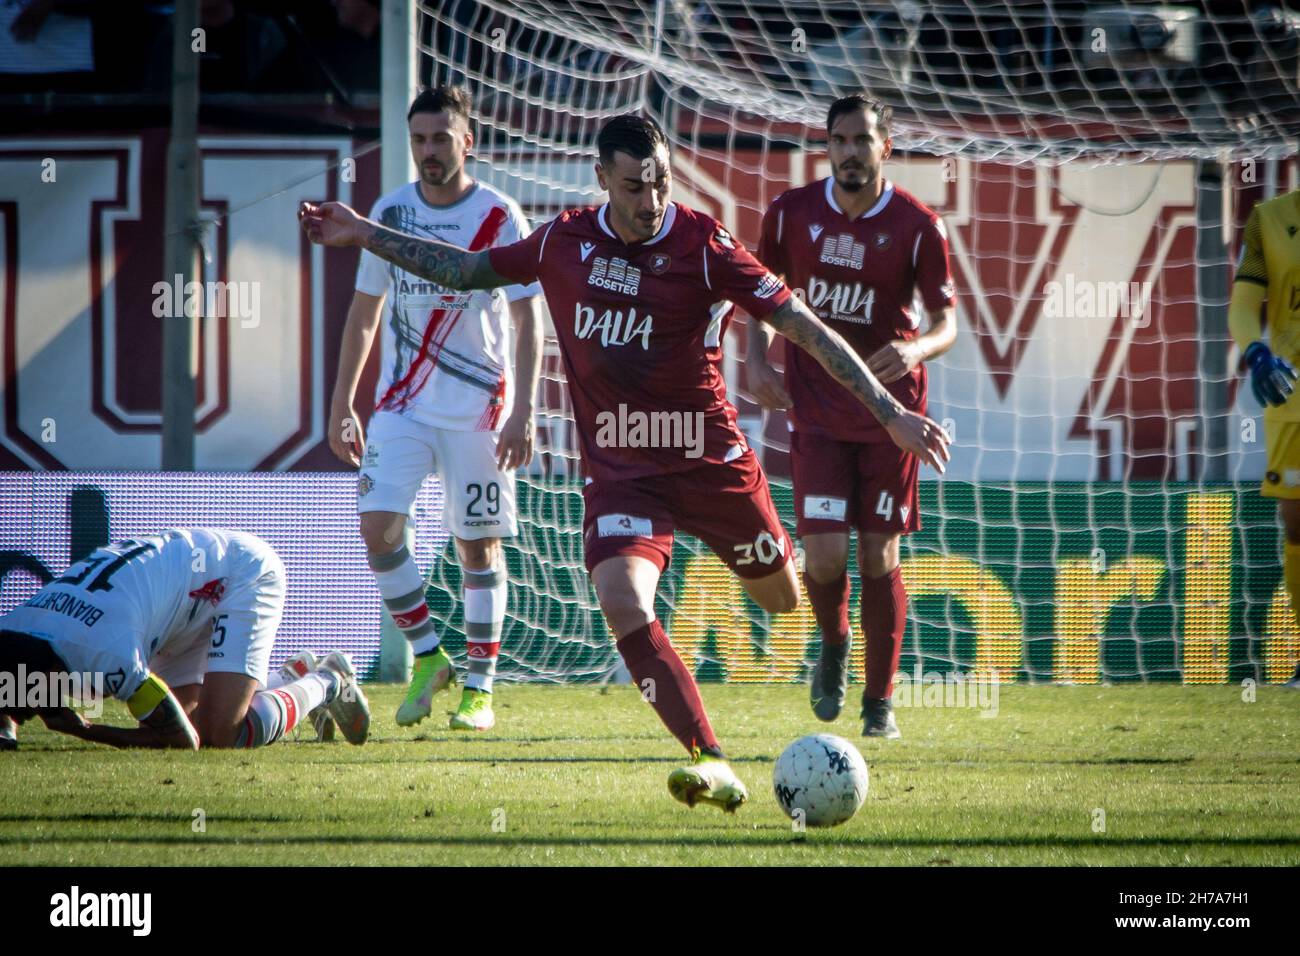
{"points": [[349, 708], [300, 665]]}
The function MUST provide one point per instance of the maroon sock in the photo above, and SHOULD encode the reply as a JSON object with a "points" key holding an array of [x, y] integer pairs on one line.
{"points": [[884, 619], [650, 656], [830, 604]]}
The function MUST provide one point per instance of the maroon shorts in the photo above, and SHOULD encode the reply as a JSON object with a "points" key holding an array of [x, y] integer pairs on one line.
{"points": [[840, 485], [727, 506]]}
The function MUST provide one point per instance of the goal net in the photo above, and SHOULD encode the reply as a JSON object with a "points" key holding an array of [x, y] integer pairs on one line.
{"points": [[1093, 164]]}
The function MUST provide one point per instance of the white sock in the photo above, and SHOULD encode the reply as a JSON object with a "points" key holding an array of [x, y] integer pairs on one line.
{"points": [[485, 614], [402, 588], [274, 712]]}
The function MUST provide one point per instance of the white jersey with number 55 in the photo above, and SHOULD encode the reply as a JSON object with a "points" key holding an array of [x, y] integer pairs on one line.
{"points": [[178, 603]]}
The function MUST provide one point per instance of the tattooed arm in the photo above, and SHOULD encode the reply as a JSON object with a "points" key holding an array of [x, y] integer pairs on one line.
{"points": [[797, 323], [334, 224], [910, 431]]}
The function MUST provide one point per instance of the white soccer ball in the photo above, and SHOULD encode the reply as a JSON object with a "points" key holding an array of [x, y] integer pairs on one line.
{"points": [[822, 778]]}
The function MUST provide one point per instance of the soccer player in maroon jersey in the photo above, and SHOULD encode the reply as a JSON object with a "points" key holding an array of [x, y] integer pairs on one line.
{"points": [[860, 249], [640, 292]]}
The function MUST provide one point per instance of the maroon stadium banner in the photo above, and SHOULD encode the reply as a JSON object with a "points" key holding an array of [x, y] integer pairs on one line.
{"points": [[1078, 346]]}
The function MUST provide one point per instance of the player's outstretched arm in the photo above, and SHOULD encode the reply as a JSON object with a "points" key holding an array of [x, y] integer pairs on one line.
{"points": [[334, 224], [163, 722], [910, 431]]}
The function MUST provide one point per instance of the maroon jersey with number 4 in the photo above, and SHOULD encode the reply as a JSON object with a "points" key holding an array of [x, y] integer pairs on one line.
{"points": [[640, 329], [861, 277]]}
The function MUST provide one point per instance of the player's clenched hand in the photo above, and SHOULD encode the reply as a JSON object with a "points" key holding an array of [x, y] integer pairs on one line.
{"points": [[331, 223], [347, 440], [64, 720], [515, 445], [765, 382], [924, 438], [891, 362]]}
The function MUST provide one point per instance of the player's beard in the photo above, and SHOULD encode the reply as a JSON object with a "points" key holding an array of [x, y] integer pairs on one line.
{"points": [[852, 185], [434, 179], [643, 228], [649, 227]]}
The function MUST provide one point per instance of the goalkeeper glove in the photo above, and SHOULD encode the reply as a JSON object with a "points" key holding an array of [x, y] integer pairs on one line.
{"points": [[1271, 378]]}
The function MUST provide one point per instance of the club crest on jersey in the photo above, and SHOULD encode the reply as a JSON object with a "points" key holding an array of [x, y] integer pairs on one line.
{"points": [[815, 232], [723, 238], [614, 275], [212, 591], [841, 250], [612, 326], [584, 249], [659, 263], [881, 241]]}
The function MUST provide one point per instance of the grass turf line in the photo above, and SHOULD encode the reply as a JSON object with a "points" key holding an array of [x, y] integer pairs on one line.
{"points": [[571, 775]]}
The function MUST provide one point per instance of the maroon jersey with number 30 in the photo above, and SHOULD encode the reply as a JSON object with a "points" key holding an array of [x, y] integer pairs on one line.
{"points": [[640, 326], [861, 277]]}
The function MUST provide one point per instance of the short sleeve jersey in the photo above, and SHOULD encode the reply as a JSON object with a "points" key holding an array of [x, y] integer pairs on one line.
{"points": [[862, 277], [640, 329], [445, 355]]}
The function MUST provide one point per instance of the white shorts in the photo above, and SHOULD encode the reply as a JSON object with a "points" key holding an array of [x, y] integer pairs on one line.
{"points": [[241, 637], [478, 500]]}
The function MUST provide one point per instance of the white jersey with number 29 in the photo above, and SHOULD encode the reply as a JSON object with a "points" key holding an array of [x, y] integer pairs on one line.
{"points": [[445, 355]]}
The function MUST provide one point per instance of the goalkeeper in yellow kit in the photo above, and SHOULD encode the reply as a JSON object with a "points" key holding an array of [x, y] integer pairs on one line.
{"points": [[1269, 268]]}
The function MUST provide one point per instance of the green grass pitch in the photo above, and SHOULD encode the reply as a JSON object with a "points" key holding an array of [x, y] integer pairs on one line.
{"points": [[574, 775]]}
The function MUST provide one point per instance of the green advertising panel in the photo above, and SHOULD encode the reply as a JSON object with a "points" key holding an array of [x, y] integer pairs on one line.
{"points": [[1070, 583]]}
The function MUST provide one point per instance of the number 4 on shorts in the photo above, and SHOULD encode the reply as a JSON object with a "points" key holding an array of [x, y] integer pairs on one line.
{"points": [[885, 507]]}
